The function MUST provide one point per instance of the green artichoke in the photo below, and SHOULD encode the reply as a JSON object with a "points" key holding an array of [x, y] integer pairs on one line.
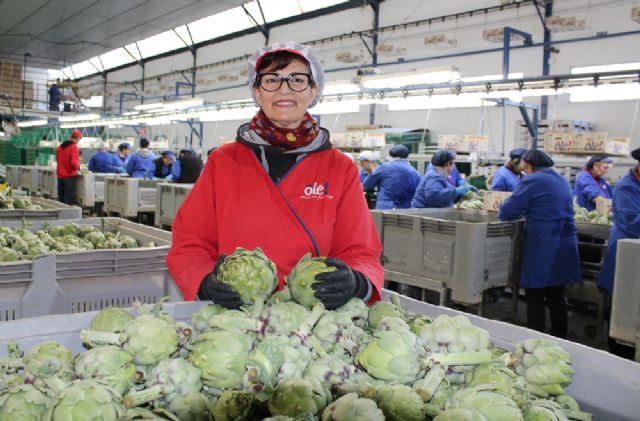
{"points": [[108, 363], [303, 276], [545, 366], [23, 403], [543, 410], [232, 405], [283, 317], [294, 397], [200, 319], [263, 365], [485, 402], [250, 273], [399, 402], [388, 357], [336, 332], [501, 378], [8, 255], [49, 364], [193, 406], [110, 319], [331, 369], [380, 310], [352, 408], [85, 400]]}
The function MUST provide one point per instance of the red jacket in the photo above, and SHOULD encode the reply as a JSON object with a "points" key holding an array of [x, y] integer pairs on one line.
{"points": [[67, 160], [235, 203]]}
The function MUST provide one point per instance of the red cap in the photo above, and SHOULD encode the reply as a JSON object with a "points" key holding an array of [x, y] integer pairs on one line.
{"points": [[77, 134]]}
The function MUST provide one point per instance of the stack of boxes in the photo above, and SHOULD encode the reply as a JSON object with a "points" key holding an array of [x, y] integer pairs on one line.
{"points": [[523, 139], [11, 85]]}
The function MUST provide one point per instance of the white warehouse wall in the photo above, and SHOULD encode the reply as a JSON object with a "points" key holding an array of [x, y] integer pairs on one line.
{"points": [[615, 117]]}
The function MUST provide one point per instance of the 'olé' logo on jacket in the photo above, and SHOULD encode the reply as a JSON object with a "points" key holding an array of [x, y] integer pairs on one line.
{"points": [[316, 191]]}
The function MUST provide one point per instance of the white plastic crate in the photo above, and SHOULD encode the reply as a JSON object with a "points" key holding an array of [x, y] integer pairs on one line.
{"points": [[169, 198], [625, 306], [128, 197], [48, 182], [51, 210], [606, 385], [28, 176], [12, 174], [88, 280]]}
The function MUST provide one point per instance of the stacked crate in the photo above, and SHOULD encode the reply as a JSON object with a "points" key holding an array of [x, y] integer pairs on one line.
{"points": [[11, 84]]}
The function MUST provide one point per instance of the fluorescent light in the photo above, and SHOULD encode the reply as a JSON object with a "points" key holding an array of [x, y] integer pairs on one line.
{"points": [[617, 92], [131, 113], [437, 102], [32, 123], [336, 107], [340, 88], [180, 105], [79, 117], [229, 114], [147, 107], [491, 77], [605, 68], [438, 75]]}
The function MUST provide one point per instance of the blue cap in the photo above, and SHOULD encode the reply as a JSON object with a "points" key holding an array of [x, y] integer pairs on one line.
{"points": [[399, 151], [441, 157], [124, 145], [635, 154], [598, 158], [168, 153], [538, 159], [517, 153]]}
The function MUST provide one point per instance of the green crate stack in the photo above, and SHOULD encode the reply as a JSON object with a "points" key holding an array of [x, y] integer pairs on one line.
{"points": [[28, 155], [13, 155], [44, 154]]}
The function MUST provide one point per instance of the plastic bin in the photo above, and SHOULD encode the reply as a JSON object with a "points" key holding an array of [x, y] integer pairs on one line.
{"points": [[28, 178], [48, 182], [604, 384], [13, 175], [169, 198], [51, 210], [127, 197], [625, 306], [462, 250], [87, 280]]}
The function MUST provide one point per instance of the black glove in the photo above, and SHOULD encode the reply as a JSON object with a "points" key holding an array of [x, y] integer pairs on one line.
{"points": [[335, 288], [219, 292]]}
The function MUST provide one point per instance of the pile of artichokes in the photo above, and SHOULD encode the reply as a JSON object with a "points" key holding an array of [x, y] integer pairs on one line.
{"points": [[280, 359], [22, 244]]}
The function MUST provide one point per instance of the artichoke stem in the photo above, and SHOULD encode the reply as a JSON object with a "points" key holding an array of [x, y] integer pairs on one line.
{"points": [[10, 363], [396, 302], [241, 323], [427, 387], [578, 415], [137, 398], [54, 383], [461, 358], [93, 337], [310, 321], [432, 410], [317, 346]]}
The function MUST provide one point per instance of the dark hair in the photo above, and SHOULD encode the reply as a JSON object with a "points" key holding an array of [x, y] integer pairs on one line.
{"points": [[211, 150], [144, 143], [635, 154], [277, 61]]}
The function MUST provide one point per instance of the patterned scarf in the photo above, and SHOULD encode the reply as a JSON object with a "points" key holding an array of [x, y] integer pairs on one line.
{"points": [[285, 138]]}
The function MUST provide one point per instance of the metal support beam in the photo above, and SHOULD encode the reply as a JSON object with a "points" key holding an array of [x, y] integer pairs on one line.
{"points": [[546, 56], [262, 27], [506, 46], [179, 84], [195, 128], [532, 123], [121, 99], [375, 5]]}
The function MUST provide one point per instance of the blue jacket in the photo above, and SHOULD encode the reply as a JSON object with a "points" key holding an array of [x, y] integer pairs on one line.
{"points": [[104, 162], [363, 175], [455, 179], [434, 191], [588, 188], [504, 180], [141, 164], [396, 181], [550, 251], [122, 162], [626, 223]]}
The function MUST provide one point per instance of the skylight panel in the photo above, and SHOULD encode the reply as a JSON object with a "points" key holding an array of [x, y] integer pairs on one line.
{"points": [[214, 26], [158, 44], [115, 58]]}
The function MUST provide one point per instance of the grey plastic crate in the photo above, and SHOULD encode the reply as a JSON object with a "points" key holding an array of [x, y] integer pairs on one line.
{"points": [[91, 188], [462, 250], [48, 182], [169, 198], [12, 174], [604, 384], [128, 197], [51, 210], [625, 305], [88, 280], [28, 178]]}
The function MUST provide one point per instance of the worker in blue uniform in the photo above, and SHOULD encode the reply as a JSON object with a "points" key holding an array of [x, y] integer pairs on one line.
{"points": [[591, 186], [368, 163], [508, 176], [454, 178], [396, 180], [123, 154], [550, 251], [626, 220], [141, 163], [103, 161], [434, 190]]}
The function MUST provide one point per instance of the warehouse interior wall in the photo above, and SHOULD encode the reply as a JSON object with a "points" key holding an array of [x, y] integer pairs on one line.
{"points": [[223, 77]]}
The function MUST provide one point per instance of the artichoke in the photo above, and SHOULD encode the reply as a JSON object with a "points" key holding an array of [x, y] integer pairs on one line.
{"points": [[193, 406], [331, 369], [389, 357], [232, 405], [399, 402], [23, 403], [200, 319], [501, 378], [545, 366], [110, 319], [302, 277], [380, 310], [543, 410], [263, 365], [85, 400], [485, 403], [336, 332], [283, 317], [168, 380], [352, 408], [250, 273], [108, 363], [294, 397], [8, 255], [128, 242], [49, 364]]}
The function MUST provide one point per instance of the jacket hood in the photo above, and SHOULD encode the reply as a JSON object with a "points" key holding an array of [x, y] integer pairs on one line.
{"points": [[255, 142], [144, 153], [66, 144]]}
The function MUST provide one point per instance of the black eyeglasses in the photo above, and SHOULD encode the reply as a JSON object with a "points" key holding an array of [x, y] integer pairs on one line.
{"points": [[297, 82]]}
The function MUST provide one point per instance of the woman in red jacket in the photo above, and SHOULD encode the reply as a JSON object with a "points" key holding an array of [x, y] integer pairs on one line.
{"points": [[281, 187]]}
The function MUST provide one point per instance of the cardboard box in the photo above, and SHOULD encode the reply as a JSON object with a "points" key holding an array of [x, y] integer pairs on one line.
{"points": [[493, 200], [476, 143], [374, 140], [451, 142], [617, 146], [590, 142], [555, 142], [604, 208]]}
